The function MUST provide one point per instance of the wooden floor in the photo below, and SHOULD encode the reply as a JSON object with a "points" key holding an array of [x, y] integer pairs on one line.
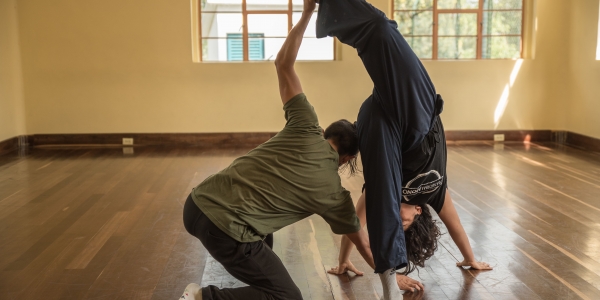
{"points": [[106, 223]]}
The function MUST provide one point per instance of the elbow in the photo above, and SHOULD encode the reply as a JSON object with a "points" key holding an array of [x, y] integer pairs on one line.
{"points": [[284, 68], [279, 60], [282, 63]]}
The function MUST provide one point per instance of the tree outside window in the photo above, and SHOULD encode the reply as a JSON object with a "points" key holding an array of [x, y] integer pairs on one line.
{"points": [[461, 29]]}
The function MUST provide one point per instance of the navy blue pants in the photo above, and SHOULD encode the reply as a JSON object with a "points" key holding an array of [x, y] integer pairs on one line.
{"points": [[393, 120]]}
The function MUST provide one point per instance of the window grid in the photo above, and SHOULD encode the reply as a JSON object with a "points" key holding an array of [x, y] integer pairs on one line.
{"points": [[245, 12], [480, 35]]}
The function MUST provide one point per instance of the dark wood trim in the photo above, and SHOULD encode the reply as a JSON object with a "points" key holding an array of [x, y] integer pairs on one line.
{"points": [[238, 139], [9, 145], [15, 143], [252, 139], [509, 135], [581, 141], [246, 138]]}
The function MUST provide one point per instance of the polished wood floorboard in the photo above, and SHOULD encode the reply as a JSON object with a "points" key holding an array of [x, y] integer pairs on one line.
{"points": [[106, 223]]}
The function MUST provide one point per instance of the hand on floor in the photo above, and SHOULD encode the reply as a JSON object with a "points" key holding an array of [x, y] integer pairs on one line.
{"points": [[345, 267], [479, 265], [408, 284]]}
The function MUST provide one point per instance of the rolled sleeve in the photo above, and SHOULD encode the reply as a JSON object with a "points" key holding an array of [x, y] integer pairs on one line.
{"points": [[301, 116]]}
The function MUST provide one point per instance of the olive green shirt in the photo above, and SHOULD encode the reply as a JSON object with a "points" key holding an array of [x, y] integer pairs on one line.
{"points": [[284, 180]]}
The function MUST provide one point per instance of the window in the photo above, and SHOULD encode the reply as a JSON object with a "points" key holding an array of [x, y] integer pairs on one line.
{"points": [[254, 30], [461, 29]]}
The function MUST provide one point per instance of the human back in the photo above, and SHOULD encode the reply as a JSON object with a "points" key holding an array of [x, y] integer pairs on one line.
{"points": [[286, 179]]}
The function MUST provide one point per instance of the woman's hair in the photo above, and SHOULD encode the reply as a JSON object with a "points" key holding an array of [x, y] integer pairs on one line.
{"points": [[345, 137], [421, 240]]}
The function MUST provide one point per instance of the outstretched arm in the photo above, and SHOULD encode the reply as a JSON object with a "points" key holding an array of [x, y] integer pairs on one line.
{"points": [[404, 282], [450, 218], [289, 83], [346, 244], [361, 240]]}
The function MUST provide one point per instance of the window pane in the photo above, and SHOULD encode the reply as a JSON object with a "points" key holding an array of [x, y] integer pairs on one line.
{"points": [[414, 22], [413, 4], [298, 5], [221, 5], [311, 29], [422, 46], [458, 4], [217, 49], [457, 47], [316, 49], [220, 24], [501, 22], [272, 46], [502, 47], [267, 4], [270, 25], [457, 24], [311, 48], [503, 4]]}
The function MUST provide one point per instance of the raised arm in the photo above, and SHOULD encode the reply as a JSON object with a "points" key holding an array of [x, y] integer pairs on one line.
{"points": [[289, 83]]}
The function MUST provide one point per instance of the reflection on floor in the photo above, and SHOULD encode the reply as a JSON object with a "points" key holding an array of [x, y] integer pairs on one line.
{"points": [[104, 223]]}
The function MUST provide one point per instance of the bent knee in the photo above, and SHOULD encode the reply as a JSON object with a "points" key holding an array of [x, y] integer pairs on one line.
{"points": [[291, 294]]}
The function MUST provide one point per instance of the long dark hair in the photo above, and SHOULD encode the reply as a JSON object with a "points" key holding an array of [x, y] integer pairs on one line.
{"points": [[421, 240], [345, 136]]}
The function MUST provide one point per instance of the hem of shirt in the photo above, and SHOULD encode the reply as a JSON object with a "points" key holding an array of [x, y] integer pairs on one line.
{"points": [[217, 223], [355, 230], [347, 232]]}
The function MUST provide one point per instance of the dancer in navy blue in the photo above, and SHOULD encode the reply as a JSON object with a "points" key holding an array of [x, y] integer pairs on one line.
{"points": [[402, 146], [392, 121]]}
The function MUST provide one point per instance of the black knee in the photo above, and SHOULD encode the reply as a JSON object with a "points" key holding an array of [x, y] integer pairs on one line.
{"points": [[190, 214], [292, 294]]}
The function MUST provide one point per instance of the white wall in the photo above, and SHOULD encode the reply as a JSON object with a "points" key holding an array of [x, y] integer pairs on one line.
{"points": [[582, 106], [125, 66], [12, 112]]}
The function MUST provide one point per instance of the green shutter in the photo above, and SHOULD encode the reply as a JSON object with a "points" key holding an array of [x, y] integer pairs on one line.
{"points": [[256, 46], [235, 46]]}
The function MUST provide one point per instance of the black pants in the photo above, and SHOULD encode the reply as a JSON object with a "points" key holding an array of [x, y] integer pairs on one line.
{"points": [[253, 263]]}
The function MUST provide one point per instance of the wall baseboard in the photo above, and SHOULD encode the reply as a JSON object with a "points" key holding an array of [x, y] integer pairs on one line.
{"points": [[237, 139], [9, 145], [253, 139], [581, 141], [14, 143], [509, 135]]}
